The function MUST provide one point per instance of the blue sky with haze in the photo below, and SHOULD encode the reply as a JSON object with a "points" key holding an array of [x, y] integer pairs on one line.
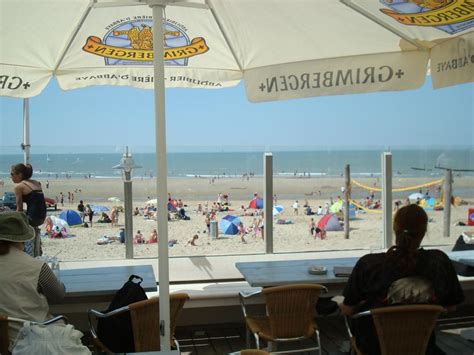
{"points": [[224, 120]]}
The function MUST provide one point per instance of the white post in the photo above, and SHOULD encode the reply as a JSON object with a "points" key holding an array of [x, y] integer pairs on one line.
{"points": [[387, 199], [268, 201], [161, 173], [448, 186], [26, 131]]}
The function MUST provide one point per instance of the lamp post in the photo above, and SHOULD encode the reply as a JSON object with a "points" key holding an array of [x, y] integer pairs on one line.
{"points": [[126, 165]]}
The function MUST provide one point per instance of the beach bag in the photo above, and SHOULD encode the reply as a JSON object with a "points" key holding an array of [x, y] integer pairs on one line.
{"points": [[116, 332], [49, 339]]}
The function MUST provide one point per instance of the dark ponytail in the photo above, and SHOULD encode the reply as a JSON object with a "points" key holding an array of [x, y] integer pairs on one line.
{"points": [[26, 171], [409, 225]]}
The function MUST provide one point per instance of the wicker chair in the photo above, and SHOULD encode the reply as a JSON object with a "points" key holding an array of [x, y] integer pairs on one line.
{"points": [[4, 320], [145, 318], [404, 329], [290, 314]]}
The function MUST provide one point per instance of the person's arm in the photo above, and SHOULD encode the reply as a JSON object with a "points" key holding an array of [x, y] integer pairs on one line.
{"points": [[19, 197], [50, 286], [354, 290]]}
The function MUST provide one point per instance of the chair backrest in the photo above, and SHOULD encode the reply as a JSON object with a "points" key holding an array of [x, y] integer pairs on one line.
{"points": [[405, 329], [4, 341], [145, 316], [291, 309]]}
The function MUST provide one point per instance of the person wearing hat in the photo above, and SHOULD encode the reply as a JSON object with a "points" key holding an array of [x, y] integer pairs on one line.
{"points": [[28, 285]]}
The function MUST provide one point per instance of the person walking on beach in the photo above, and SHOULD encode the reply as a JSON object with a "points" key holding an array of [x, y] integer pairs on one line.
{"points": [[89, 213], [207, 221], [82, 210], [30, 192], [296, 206], [312, 226], [114, 217]]}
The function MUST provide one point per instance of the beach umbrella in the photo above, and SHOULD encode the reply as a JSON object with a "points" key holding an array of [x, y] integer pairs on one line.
{"points": [[415, 197], [99, 208], [256, 203], [229, 225], [323, 48], [277, 209], [113, 199]]}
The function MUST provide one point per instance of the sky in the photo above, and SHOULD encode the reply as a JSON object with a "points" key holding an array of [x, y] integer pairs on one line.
{"points": [[109, 118]]}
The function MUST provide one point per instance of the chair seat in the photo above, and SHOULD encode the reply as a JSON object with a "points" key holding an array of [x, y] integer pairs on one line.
{"points": [[261, 326]]}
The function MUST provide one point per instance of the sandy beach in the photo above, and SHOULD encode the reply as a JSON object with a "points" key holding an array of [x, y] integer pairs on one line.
{"points": [[366, 229]]}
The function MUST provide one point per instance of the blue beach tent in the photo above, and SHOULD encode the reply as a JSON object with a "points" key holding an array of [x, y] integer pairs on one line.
{"points": [[71, 217]]}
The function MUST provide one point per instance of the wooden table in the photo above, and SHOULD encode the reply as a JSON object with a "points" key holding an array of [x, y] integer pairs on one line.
{"points": [[104, 281]]}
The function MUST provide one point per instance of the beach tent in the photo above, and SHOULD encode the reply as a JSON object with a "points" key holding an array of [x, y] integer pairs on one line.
{"points": [[60, 224], [229, 225], [256, 203], [71, 217], [336, 206], [324, 48], [329, 222]]}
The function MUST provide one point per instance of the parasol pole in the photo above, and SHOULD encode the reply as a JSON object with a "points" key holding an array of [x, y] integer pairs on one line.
{"points": [[25, 146]]}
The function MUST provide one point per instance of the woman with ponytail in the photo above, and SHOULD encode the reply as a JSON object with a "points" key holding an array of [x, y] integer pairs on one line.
{"points": [[375, 276], [29, 191]]}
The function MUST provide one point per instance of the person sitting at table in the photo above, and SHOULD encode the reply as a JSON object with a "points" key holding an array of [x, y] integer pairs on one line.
{"points": [[28, 285], [375, 275]]}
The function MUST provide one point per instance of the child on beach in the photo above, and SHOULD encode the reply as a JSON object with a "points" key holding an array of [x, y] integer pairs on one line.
{"points": [[153, 238], [242, 232], [318, 232], [296, 206], [138, 238], [312, 226], [193, 240]]}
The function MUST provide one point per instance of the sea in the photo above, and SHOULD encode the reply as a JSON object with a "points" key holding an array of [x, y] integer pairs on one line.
{"points": [[318, 163]]}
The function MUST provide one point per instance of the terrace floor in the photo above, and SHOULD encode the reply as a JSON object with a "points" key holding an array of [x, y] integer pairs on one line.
{"points": [[224, 339]]}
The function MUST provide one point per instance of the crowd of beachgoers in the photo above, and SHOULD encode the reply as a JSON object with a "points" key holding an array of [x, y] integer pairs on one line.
{"points": [[194, 205]]}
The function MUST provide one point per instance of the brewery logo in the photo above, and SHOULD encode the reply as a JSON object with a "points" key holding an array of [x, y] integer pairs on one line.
{"points": [[130, 42], [450, 16]]}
